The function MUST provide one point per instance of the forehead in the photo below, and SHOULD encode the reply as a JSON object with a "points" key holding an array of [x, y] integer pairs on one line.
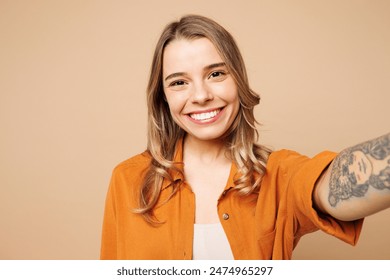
{"points": [[184, 54]]}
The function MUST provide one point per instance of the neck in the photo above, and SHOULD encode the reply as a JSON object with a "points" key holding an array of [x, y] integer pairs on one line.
{"points": [[204, 150]]}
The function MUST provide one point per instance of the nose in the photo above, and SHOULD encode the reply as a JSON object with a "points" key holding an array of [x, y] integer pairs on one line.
{"points": [[201, 94]]}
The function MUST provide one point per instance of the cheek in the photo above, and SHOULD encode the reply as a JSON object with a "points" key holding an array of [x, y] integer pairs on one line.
{"points": [[175, 102], [226, 91], [233, 99], [231, 92]]}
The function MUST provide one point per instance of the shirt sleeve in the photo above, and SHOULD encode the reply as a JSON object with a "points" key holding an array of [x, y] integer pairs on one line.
{"points": [[109, 235], [305, 173]]}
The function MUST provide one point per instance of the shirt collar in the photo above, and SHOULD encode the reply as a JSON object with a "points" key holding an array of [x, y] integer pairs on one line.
{"points": [[177, 174]]}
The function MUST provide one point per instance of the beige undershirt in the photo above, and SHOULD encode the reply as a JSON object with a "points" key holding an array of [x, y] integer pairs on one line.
{"points": [[210, 243]]}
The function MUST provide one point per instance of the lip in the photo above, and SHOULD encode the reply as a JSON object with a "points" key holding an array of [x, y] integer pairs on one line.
{"points": [[207, 121], [205, 111]]}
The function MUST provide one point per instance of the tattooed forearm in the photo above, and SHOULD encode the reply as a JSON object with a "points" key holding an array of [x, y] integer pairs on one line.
{"points": [[358, 168]]}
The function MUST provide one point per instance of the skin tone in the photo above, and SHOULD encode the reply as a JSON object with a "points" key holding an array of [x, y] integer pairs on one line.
{"points": [[203, 100], [357, 183]]}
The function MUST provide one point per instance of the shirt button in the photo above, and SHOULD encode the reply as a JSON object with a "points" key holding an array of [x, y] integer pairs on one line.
{"points": [[225, 216]]}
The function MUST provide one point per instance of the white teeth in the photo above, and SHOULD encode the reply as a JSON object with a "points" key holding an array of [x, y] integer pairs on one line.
{"points": [[205, 116]]}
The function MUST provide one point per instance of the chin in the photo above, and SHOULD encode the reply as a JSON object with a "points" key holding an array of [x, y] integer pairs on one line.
{"points": [[206, 136]]}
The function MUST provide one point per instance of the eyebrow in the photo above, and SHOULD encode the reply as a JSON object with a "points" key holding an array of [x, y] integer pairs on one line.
{"points": [[208, 67]]}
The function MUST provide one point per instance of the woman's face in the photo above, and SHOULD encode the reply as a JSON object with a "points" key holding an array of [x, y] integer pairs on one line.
{"points": [[201, 94]]}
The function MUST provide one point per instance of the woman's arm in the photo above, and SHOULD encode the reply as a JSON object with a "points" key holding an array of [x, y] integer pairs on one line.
{"points": [[357, 183]]}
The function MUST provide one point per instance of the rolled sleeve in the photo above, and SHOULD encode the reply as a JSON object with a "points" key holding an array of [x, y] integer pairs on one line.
{"points": [[306, 218]]}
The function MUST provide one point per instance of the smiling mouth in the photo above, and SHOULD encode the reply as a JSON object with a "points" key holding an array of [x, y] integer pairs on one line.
{"points": [[205, 116]]}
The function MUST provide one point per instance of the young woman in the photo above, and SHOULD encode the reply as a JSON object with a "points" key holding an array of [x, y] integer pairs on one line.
{"points": [[204, 188]]}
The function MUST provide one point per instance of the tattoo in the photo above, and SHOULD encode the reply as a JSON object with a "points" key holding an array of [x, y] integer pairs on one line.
{"points": [[353, 170]]}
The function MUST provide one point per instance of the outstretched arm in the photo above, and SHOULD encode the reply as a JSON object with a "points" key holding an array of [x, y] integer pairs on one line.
{"points": [[357, 183]]}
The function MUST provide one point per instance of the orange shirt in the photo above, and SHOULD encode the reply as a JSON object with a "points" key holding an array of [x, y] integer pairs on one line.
{"points": [[263, 226]]}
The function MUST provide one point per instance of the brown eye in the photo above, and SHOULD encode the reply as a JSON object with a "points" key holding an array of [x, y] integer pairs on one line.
{"points": [[217, 75], [177, 83]]}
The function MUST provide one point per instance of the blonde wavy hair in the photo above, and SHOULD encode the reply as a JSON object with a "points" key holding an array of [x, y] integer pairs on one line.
{"points": [[164, 133]]}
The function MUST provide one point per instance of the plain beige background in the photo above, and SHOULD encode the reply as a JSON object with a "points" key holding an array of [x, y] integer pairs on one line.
{"points": [[72, 103]]}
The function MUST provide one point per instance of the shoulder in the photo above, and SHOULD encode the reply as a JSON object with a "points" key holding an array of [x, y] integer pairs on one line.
{"points": [[284, 159], [282, 154], [293, 176], [126, 179], [289, 161], [286, 156], [133, 166]]}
